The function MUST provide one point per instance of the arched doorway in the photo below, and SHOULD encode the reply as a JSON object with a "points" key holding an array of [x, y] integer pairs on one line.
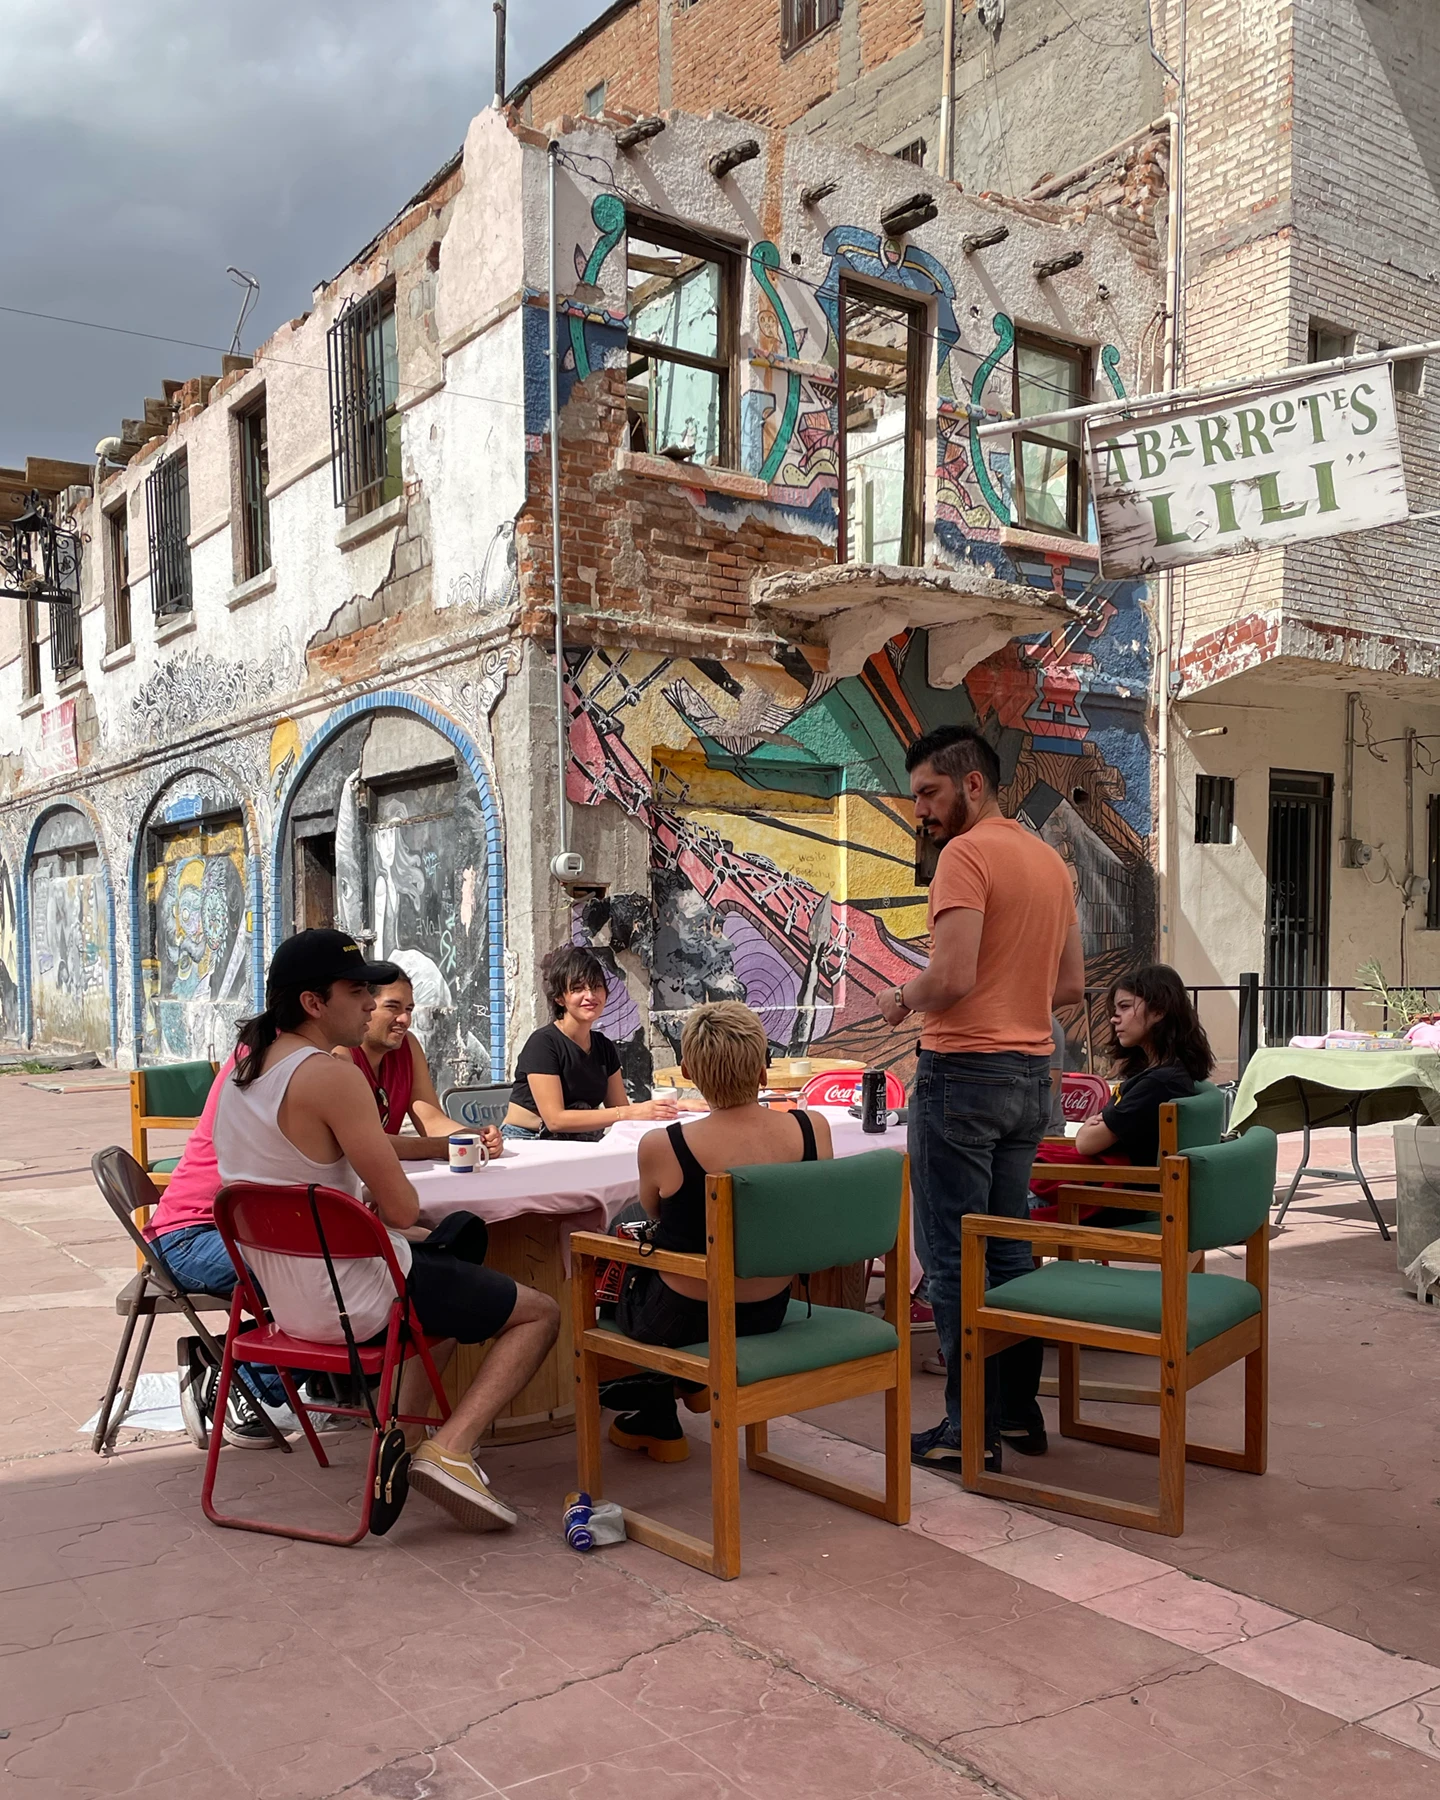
{"points": [[194, 921], [70, 935], [386, 835]]}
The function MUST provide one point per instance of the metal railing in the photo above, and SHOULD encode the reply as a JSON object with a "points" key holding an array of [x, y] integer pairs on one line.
{"points": [[1250, 994]]}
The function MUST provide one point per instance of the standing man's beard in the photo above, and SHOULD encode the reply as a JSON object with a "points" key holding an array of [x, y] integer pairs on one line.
{"points": [[957, 819]]}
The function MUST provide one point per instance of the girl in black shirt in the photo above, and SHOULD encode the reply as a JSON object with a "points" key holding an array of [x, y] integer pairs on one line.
{"points": [[567, 1078], [1160, 1049]]}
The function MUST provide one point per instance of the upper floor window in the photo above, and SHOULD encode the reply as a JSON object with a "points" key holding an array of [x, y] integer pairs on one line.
{"points": [[595, 100], [117, 542], [680, 387], [364, 400], [1050, 463], [801, 20], [1408, 372], [1327, 343], [167, 504], [913, 152], [881, 401], [254, 490]]}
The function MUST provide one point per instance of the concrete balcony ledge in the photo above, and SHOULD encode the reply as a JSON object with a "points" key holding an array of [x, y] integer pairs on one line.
{"points": [[854, 609]]}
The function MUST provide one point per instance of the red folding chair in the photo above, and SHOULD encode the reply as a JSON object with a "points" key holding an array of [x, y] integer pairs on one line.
{"points": [[278, 1220]]}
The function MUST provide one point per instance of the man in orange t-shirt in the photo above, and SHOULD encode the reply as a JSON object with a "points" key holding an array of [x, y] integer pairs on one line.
{"points": [[1005, 951]]}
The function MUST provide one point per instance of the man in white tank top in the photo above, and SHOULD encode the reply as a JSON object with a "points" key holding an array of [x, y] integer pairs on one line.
{"points": [[292, 1112]]}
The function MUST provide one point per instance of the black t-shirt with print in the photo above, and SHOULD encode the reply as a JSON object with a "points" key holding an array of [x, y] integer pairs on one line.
{"points": [[1134, 1114], [584, 1074]]}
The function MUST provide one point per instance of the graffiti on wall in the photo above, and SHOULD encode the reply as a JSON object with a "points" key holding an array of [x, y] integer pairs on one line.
{"points": [[197, 929], [69, 936], [10, 1022], [387, 839], [781, 838]]}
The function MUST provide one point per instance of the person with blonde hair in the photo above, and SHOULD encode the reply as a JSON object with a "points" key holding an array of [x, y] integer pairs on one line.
{"points": [[723, 1052]]}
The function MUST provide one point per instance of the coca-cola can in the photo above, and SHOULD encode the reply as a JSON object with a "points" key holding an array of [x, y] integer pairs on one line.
{"points": [[872, 1100]]}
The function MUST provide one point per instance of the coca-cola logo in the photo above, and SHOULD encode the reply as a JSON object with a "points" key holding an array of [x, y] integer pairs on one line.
{"points": [[836, 1092]]}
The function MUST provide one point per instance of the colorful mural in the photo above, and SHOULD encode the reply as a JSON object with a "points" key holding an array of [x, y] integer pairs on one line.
{"points": [[782, 841], [10, 1021], [395, 821], [196, 931], [70, 944]]}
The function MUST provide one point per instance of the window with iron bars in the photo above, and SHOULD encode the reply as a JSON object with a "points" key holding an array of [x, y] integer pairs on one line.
{"points": [[254, 490], [364, 393], [30, 660], [913, 152], [167, 505], [801, 20], [65, 648]]}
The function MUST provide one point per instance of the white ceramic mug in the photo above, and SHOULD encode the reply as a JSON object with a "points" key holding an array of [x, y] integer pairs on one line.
{"points": [[467, 1153]]}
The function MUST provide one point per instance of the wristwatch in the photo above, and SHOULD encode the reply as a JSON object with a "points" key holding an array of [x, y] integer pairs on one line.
{"points": [[901, 1000]]}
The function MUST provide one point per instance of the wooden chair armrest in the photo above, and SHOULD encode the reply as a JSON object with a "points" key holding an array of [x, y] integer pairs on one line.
{"points": [[1099, 1240], [157, 1122], [626, 1250], [1094, 1196], [1146, 1175]]}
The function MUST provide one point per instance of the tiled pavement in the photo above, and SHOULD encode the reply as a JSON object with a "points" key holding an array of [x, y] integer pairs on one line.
{"points": [[1288, 1645]]}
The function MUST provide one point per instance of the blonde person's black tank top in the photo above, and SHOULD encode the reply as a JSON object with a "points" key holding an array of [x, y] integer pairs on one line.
{"points": [[682, 1214]]}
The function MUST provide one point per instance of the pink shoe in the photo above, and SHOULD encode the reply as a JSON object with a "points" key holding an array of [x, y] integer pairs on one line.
{"points": [[922, 1315]]}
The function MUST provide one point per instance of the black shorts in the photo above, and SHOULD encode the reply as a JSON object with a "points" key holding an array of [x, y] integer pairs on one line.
{"points": [[458, 1299], [653, 1313]]}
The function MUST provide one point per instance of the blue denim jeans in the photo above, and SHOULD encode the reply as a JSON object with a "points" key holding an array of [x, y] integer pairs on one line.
{"points": [[975, 1122], [196, 1256]]}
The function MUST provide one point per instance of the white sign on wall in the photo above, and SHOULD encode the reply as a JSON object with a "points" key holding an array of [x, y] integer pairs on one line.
{"points": [[1246, 470]]}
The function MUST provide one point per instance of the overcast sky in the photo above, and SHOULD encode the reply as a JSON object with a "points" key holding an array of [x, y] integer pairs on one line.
{"points": [[146, 144]]}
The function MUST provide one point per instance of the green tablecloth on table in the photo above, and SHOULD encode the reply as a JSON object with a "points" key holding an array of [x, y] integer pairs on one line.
{"points": [[1390, 1084]]}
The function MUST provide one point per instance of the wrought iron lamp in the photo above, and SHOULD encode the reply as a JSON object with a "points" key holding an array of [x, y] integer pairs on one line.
{"points": [[40, 561]]}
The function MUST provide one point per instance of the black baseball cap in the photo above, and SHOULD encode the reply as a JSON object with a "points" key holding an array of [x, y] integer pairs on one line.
{"points": [[313, 959]]}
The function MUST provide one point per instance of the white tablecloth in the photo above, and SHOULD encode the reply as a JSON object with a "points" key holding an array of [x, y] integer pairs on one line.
{"points": [[589, 1183]]}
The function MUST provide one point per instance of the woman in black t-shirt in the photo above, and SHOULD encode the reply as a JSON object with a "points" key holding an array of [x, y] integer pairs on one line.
{"points": [[1161, 1051], [567, 1078]]}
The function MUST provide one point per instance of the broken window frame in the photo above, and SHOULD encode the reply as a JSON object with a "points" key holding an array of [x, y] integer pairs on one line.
{"points": [[667, 236], [802, 21], [167, 507], [1077, 492], [912, 518], [117, 570], [365, 402], [253, 445]]}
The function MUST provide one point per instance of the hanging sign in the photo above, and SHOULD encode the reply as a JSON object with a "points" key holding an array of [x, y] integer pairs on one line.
{"points": [[1246, 470]]}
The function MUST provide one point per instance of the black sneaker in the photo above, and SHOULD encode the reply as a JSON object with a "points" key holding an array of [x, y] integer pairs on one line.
{"points": [[1029, 1440], [939, 1448], [244, 1429], [198, 1380]]}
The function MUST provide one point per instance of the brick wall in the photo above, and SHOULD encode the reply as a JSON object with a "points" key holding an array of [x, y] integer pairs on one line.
{"points": [[637, 552]]}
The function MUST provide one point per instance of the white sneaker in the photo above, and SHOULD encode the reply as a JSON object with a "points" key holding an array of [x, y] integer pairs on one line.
{"points": [[934, 1365], [455, 1483]]}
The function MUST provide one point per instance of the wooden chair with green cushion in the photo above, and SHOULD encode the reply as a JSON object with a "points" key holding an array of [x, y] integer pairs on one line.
{"points": [[1185, 1124], [165, 1097], [768, 1220], [1214, 1196]]}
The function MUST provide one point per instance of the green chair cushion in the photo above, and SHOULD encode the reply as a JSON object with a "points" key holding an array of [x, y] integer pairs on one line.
{"points": [[831, 1334], [1199, 1117], [1232, 1188], [795, 1218], [177, 1090], [1126, 1298], [165, 1166]]}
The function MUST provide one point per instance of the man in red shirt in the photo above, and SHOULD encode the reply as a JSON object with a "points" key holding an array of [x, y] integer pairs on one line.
{"points": [[393, 1062], [1005, 951]]}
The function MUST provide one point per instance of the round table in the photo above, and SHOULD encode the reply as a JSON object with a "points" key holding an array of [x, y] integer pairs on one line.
{"points": [[532, 1198]]}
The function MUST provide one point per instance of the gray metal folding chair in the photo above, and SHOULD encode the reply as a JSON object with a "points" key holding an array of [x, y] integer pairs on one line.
{"points": [[476, 1106], [127, 1188]]}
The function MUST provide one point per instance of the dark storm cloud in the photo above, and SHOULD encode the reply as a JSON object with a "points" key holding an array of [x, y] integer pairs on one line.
{"points": [[149, 143]]}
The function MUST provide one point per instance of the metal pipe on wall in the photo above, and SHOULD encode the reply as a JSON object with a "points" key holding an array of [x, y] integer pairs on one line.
{"points": [[499, 53], [947, 90], [555, 571]]}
